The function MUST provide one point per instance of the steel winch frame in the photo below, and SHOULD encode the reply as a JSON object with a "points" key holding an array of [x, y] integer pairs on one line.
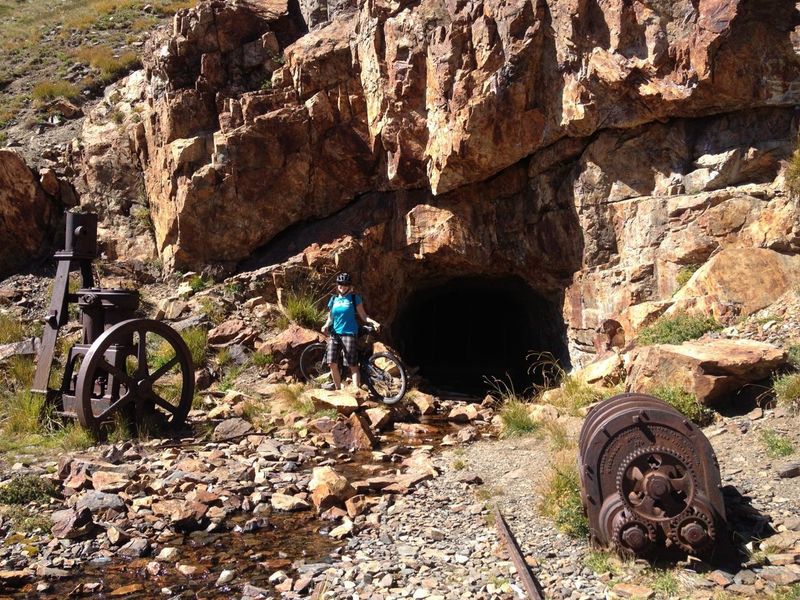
{"points": [[649, 478], [117, 367]]}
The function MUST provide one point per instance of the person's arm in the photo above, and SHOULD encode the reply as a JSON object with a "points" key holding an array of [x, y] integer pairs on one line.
{"points": [[363, 314]]}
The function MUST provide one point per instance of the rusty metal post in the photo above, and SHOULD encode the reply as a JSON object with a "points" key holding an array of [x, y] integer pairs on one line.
{"points": [[80, 249]]}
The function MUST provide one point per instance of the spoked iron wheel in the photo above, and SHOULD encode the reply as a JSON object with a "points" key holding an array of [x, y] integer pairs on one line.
{"points": [[138, 368]]}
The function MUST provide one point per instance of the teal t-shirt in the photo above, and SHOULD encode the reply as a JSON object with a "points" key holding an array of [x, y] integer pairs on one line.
{"points": [[343, 314]]}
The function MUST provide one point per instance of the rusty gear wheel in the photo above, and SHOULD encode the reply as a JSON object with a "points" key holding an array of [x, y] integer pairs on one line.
{"points": [[693, 532], [656, 483], [634, 536]]}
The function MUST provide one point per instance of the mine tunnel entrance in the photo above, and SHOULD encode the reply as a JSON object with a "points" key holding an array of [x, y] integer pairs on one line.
{"points": [[466, 330]]}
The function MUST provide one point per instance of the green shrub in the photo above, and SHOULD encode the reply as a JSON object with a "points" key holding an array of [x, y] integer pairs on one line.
{"points": [[677, 328], [11, 330], [263, 359], [787, 390], [302, 309], [562, 498], [685, 274], [685, 403], [26, 488], [198, 283], [777, 445]]}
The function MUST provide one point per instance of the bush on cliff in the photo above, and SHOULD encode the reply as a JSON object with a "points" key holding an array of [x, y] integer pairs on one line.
{"points": [[677, 328]]}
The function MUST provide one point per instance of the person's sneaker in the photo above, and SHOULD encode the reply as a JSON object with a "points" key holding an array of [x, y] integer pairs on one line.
{"points": [[329, 386]]}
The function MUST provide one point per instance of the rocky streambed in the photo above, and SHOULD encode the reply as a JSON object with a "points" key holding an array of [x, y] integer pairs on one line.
{"points": [[250, 513]]}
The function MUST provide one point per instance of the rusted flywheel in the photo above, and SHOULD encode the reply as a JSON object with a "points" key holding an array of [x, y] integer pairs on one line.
{"points": [[141, 368]]}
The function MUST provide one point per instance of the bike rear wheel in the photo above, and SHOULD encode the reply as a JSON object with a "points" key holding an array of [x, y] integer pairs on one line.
{"points": [[386, 377], [313, 366]]}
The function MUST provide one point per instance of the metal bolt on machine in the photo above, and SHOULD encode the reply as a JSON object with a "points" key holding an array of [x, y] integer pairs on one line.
{"points": [[649, 478], [124, 366]]}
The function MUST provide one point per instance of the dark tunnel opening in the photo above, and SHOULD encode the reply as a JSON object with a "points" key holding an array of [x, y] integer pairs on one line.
{"points": [[469, 329]]}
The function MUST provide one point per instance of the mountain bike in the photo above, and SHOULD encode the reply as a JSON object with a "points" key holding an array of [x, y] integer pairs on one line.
{"points": [[382, 372]]}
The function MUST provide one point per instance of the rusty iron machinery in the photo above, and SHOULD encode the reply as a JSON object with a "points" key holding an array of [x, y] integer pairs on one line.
{"points": [[650, 478], [135, 368]]}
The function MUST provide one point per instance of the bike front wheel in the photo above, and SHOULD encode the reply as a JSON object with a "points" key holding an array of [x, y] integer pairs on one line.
{"points": [[386, 377], [313, 366]]}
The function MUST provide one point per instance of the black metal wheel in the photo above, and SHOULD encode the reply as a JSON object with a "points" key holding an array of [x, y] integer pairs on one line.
{"points": [[313, 366], [140, 369], [385, 377]]}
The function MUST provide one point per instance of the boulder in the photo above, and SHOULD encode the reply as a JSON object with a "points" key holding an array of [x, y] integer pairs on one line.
{"points": [[463, 413], [340, 400], [354, 434], [425, 403], [749, 278], [711, 370], [72, 524], [232, 332], [286, 503], [109, 481], [607, 369], [379, 417], [328, 488], [231, 429], [543, 412], [96, 502], [290, 343]]}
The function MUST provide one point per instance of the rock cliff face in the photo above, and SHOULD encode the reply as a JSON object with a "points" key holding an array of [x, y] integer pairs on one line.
{"points": [[31, 206], [591, 148]]}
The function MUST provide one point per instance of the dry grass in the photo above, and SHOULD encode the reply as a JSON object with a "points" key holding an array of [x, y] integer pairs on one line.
{"points": [[104, 60], [50, 90], [11, 329], [562, 498]]}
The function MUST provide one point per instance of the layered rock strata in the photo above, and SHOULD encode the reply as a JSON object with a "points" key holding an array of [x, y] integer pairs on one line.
{"points": [[593, 149]]}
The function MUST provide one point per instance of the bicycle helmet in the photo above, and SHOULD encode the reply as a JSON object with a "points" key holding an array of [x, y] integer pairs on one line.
{"points": [[344, 279]]}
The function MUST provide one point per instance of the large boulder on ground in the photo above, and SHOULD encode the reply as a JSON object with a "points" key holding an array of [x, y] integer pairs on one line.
{"points": [[341, 401], [329, 488], [748, 278], [711, 370], [290, 343]]}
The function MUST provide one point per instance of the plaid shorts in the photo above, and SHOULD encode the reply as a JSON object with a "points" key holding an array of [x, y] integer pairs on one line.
{"points": [[338, 342]]}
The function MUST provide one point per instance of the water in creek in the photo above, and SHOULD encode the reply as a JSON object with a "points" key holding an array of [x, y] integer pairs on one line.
{"points": [[291, 540]]}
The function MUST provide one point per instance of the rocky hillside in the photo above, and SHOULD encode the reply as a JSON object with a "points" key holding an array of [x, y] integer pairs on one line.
{"points": [[594, 151]]}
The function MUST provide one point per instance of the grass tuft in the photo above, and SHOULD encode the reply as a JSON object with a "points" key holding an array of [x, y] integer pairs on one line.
{"points": [[196, 339], [562, 498], [787, 390], [685, 403], [198, 283], [665, 583], [303, 309], [261, 359], [685, 274], [11, 330], [793, 173], [25, 413], [516, 420], [26, 488], [677, 328], [794, 356], [777, 444], [600, 562], [102, 58], [50, 90]]}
